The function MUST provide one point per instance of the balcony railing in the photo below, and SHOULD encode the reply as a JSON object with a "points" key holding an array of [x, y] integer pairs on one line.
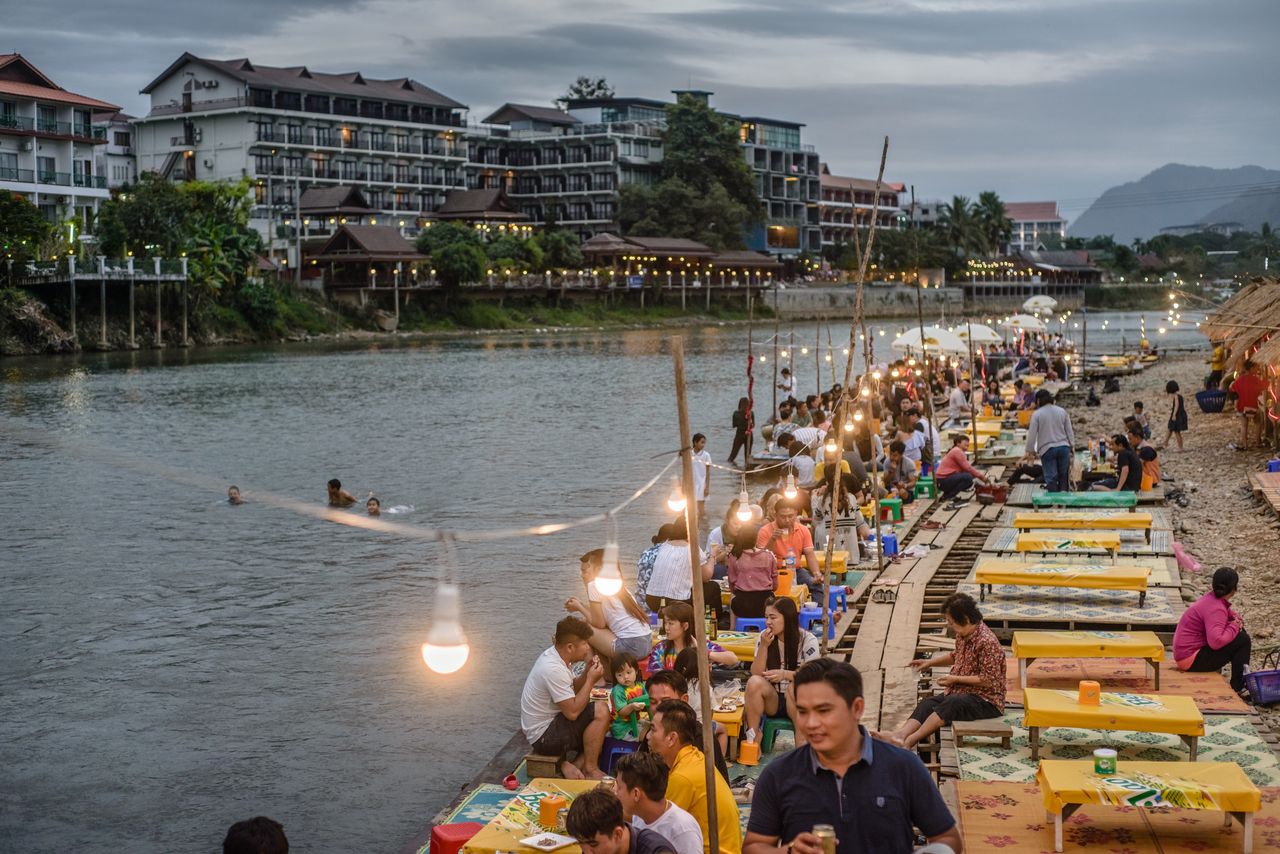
{"points": [[89, 131], [13, 122], [61, 179], [95, 181], [25, 176], [264, 103]]}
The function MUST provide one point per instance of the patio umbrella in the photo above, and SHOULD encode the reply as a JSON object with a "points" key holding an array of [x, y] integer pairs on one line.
{"points": [[935, 340], [1039, 302], [980, 332], [1024, 322]]}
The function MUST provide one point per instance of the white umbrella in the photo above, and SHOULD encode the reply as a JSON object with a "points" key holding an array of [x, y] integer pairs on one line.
{"points": [[1040, 302], [935, 340], [978, 333], [1024, 322]]}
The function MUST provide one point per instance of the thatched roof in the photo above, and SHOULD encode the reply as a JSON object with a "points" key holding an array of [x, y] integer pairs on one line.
{"points": [[1241, 323]]}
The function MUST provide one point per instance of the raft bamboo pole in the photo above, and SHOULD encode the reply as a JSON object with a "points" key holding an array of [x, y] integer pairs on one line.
{"points": [[934, 453], [699, 603]]}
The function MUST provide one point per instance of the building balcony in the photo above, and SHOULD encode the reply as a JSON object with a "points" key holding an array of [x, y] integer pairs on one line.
{"points": [[360, 142], [61, 179], [97, 182], [49, 127], [21, 176]]}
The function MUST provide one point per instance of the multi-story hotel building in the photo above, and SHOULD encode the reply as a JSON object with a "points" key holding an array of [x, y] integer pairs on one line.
{"points": [[47, 144], [115, 160], [568, 165], [1033, 224], [848, 203], [287, 129]]}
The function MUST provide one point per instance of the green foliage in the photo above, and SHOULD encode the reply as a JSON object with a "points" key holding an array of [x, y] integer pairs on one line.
{"points": [[258, 302], [560, 250], [458, 263], [958, 220], [22, 231], [586, 87], [707, 192], [907, 250], [153, 212], [993, 222], [444, 234]]}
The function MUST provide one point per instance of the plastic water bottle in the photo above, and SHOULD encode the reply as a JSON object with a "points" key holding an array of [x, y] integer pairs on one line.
{"points": [[791, 559]]}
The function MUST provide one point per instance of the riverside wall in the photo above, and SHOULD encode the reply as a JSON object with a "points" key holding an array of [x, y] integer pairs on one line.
{"points": [[799, 302]]}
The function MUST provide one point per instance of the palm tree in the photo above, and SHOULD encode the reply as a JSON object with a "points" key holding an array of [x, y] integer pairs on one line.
{"points": [[994, 222], [960, 226]]}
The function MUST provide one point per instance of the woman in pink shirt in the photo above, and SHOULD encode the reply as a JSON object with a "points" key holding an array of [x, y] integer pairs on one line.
{"points": [[753, 574], [1210, 634], [955, 472]]}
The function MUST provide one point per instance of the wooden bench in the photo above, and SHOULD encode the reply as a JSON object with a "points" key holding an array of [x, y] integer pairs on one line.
{"points": [[1030, 645], [1090, 576], [1069, 541], [1175, 715], [1116, 499], [988, 728], [1070, 784], [1102, 520]]}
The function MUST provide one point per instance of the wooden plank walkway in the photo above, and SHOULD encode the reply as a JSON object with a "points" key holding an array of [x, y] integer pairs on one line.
{"points": [[1266, 488]]}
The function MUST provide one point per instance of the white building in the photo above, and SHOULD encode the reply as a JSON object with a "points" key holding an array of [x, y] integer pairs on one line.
{"points": [[48, 144], [115, 160], [1034, 223], [287, 129]]}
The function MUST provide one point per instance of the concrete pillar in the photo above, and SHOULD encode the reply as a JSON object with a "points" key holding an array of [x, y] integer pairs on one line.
{"points": [[73, 308], [185, 340], [133, 344], [102, 312], [399, 273], [159, 342]]}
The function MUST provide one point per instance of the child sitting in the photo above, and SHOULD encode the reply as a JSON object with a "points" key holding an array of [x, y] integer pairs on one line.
{"points": [[1141, 419], [629, 698]]}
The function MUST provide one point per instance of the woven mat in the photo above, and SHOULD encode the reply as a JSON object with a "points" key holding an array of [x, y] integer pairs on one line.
{"points": [[1211, 691], [1076, 605], [1010, 817], [1228, 738], [1005, 540]]}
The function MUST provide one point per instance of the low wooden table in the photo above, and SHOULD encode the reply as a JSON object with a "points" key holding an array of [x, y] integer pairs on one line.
{"points": [[1120, 498], [1070, 784], [1092, 576], [1099, 520], [1069, 541], [1030, 645], [1043, 707]]}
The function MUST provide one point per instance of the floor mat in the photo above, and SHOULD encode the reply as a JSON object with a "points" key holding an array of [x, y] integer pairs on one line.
{"points": [[1211, 691], [1011, 817], [1005, 540], [1228, 738], [482, 805], [1075, 605], [1162, 575], [1161, 517]]}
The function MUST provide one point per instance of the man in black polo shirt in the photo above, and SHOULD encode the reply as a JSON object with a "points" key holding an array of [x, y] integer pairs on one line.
{"points": [[595, 820], [872, 792]]}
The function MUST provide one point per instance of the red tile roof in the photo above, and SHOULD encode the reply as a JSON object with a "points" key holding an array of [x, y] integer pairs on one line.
{"points": [[840, 182], [1033, 211], [20, 79]]}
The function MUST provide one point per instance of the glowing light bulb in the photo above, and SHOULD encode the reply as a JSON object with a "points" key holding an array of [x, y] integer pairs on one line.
{"points": [[875, 375], [804, 351], [857, 416], [790, 491], [744, 511], [446, 649], [831, 447], [675, 501], [848, 424], [828, 357], [894, 373], [783, 354], [918, 372], [912, 361], [846, 351], [881, 333], [609, 580], [866, 392], [763, 359]]}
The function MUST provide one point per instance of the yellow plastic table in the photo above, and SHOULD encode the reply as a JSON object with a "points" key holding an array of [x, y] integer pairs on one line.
{"points": [[1030, 645], [1176, 715], [798, 594], [1068, 784], [839, 560], [741, 644], [519, 819], [1092, 576], [1101, 520], [1058, 541]]}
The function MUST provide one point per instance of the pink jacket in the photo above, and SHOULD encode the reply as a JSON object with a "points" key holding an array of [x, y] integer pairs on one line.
{"points": [[1209, 621], [956, 461]]}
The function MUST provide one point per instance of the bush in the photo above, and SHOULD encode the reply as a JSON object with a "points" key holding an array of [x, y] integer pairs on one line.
{"points": [[258, 302]]}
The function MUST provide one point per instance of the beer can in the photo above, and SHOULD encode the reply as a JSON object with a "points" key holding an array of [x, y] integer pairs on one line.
{"points": [[827, 836]]}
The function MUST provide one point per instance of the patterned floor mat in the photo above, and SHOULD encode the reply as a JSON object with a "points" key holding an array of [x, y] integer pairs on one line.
{"points": [[1228, 738], [1005, 540], [482, 805], [1161, 517], [1077, 606], [1162, 575], [1211, 691], [1011, 817]]}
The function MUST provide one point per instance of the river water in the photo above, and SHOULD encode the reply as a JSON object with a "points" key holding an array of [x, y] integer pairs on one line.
{"points": [[171, 664]]}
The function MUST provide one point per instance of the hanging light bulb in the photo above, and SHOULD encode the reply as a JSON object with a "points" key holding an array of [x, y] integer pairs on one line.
{"points": [[875, 375], [744, 512], [783, 354], [446, 649], [918, 372], [894, 373], [763, 359], [911, 361], [609, 580], [866, 392], [857, 416], [675, 501], [790, 491], [804, 351], [848, 423], [828, 357], [846, 351], [831, 447]]}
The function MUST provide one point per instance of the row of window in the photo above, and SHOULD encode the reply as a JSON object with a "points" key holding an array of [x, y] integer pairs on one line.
{"points": [[376, 139], [320, 166], [346, 106]]}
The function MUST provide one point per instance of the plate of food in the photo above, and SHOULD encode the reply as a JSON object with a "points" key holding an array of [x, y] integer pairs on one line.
{"points": [[548, 841]]}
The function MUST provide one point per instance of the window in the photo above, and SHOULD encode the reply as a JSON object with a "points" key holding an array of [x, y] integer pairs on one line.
{"points": [[122, 138], [641, 148], [324, 136], [8, 167], [46, 118]]}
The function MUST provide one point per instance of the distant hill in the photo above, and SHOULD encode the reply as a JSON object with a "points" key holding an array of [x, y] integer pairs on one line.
{"points": [[1176, 194]]}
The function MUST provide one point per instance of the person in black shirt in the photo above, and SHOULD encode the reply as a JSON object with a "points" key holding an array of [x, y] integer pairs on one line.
{"points": [[1128, 467], [595, 819], [742, 425]]}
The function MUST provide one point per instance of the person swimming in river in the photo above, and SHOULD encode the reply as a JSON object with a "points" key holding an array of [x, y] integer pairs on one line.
{"points": [[374, 506], [233, 495], [339, 497]]}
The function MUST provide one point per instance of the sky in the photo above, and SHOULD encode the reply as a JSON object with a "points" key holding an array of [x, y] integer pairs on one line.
{"points": [[1035, 99]]}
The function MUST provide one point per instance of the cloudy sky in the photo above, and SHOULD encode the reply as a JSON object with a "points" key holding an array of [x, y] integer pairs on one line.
{"points": [[1036, 99]]}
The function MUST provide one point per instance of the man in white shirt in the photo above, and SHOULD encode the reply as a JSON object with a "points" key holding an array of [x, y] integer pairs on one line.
{"points": [[917, 436], [640, 782], [556, 711], [788, 385], [813, 434], [958, 403], [701, 474]]}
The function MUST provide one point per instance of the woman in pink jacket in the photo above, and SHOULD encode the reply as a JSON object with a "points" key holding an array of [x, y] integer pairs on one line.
{"points": [[1210, 634]]}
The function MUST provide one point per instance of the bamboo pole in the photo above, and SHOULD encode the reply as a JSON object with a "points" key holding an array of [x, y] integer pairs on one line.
{"points": [[699, 605], [775, 359], [817, 359], [934, 453], [973, 395]]}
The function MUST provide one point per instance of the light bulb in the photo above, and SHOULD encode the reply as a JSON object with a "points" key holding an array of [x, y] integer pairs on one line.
{"points": [[804, 351], [912, 361], [446, 649], [857, 416], [894, 373], [866, 392], [848, 425], [875, 375], [790, 491], [675, 501], [831, 447], [783, 354], [744, 511], [609, 580], [827, 357]]}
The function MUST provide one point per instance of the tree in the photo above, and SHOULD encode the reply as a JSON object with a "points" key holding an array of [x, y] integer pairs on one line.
{"points": [[993, 221], [560, 250], [459, 263], [22, 230], [585, 88], [960, 225], [151, 216], [444, 234]]}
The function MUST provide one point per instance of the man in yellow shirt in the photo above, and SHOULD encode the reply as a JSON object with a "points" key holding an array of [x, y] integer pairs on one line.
{"points": [[672, 736], [1217, 362]]}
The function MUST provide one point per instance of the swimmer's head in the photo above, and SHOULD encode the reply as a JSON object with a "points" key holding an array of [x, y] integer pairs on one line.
{"points": [[233, 495], [374, 506], [335, 485]]}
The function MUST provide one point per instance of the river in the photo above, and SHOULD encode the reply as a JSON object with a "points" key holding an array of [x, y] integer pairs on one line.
{"points": [[172, 664]]}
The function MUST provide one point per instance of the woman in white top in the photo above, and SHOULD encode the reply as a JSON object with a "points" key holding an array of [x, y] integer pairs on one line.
{"points": [[672, 577], [620, 624], [781, 648]]}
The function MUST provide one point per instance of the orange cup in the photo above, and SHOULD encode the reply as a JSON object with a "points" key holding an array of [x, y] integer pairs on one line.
{"points": [[1090, 693], [549, 811]]}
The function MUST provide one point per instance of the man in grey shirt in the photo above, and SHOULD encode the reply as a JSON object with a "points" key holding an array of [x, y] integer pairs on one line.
{"points": [[1049, 436]]}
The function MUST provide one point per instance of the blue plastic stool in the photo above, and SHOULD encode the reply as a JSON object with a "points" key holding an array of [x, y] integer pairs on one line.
{"points": [[837, 594], [742, 624], [770, 730], [653, 619], [613, 749], [811, 614]]}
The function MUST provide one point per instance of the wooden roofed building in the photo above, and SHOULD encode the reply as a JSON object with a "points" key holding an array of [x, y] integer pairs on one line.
{"points": [[674, 261], [365, 257]]}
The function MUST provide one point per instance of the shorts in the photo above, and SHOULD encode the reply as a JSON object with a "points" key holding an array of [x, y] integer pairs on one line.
{"points": [[1249, 412], [563, 735], [637, 646], [782, 706], [955, 707]]}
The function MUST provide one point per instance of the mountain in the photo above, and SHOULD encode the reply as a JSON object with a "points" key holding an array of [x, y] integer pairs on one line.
{"points": [[1176, 194]]}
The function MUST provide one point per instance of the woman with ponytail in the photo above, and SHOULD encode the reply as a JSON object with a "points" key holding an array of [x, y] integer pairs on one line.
{"points": [[1211, 634], [780, 650]]}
